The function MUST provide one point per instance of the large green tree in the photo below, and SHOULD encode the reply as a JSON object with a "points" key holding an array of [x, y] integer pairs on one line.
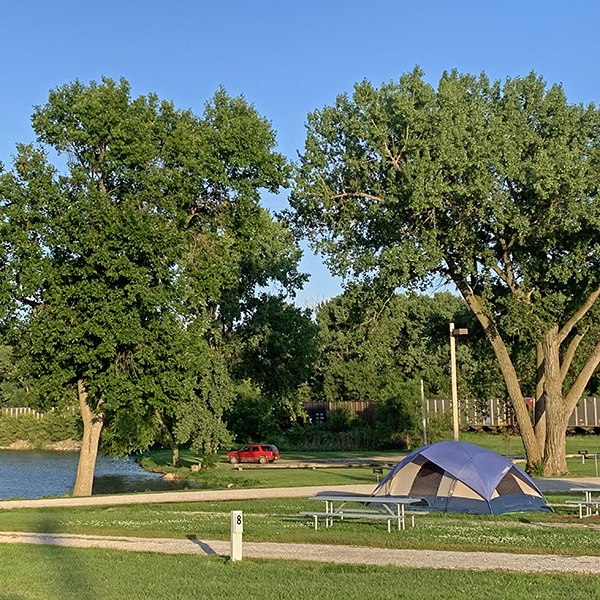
{"points": [[371, 340], [490, 185], [278, 348], [115, 257]]}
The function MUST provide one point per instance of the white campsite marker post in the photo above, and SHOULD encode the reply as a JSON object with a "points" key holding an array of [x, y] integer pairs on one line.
{"points": [[237, 528]]}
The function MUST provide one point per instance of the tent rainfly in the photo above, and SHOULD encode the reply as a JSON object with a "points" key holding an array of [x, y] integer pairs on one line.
{"points": [[464, 478]]}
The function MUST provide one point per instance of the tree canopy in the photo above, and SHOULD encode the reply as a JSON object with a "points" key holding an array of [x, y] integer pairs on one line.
{"points": [[126, 266], [370, 342], [490, 185]]}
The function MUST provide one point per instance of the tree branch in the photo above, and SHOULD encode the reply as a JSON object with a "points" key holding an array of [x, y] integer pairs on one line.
{"points": [[564, 332], [569, 354], [582, 380], [511, 380], [355, 195]]}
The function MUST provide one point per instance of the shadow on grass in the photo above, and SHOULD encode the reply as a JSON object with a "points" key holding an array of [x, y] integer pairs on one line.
{"points": [[67, 563]]}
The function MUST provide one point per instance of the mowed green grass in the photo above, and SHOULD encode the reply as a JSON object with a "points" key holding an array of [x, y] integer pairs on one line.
{"points": [[280, 520], [255, 476], [46, 572], [54, 573]]}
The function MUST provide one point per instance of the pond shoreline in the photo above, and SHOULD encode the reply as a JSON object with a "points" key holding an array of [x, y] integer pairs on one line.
{"points": [[61, 446]]}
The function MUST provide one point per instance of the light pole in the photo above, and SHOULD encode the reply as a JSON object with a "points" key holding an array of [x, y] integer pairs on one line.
{"points": [[424, 414], [455, 419]]}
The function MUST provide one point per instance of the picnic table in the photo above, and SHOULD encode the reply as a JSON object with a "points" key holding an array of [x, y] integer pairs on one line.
{"points": [[588, 502], [390, 508]]}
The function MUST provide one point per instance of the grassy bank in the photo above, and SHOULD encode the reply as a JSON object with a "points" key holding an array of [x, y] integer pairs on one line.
{"points": [[54, 573]]}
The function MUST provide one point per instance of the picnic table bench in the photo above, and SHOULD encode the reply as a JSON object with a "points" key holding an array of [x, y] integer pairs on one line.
{"points": [[588, 503], [390, 508]]}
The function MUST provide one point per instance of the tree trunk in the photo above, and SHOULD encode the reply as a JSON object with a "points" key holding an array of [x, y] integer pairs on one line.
{"points": [[173, 445], [92, 427], [539, 407], [532, 449], [556, 447], [556, 421]]}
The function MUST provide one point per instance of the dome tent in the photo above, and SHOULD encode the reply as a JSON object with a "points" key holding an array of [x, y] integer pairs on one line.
{"points": [[462, 477]]}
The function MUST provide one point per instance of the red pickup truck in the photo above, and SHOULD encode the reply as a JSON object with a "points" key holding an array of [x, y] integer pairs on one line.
{"points": [[261, 453]]}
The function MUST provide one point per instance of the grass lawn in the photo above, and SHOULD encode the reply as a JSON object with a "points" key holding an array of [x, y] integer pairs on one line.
{"points": [[279, 519], [513, 445], [45, 572], [253, 476], [54, 573]]}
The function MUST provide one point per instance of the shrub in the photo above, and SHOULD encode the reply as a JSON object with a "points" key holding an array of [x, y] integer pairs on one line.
{"points": [[341, 418], [55, 426], [397, 416], [439, 427]]}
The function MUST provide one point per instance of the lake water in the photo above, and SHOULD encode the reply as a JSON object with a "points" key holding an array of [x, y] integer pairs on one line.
{"points": [[38, 473]]}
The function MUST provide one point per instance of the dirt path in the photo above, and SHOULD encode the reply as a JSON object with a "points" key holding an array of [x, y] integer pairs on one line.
{"points": [[478, 561], [546, 485], [186, 496]]}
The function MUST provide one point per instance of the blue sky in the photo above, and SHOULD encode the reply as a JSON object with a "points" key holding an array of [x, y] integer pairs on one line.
{"points": [[287, 58]]}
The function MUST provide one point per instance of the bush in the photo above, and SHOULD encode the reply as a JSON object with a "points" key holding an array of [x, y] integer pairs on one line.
{"points": [[439, 427], [54, 427], [62, 425], [318, 437], [398, 416], [341, 418]]}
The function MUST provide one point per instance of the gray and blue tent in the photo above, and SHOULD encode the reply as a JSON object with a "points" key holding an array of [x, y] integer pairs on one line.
{"points": [[464, 478]]}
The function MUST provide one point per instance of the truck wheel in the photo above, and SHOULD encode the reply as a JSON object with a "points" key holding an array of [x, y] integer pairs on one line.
{"points": [[234, 460], [262, 460]]}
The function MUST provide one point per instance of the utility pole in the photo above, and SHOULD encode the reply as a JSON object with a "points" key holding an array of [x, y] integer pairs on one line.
{"points": [[424, 414], [455, 413]]}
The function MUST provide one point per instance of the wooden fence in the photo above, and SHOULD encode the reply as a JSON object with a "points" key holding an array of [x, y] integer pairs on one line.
{"points": [[487, 416], [18, 412]]}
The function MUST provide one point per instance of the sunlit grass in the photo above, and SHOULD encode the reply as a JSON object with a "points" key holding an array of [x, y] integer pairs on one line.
{"points": [[254, 476], [280, 520]]}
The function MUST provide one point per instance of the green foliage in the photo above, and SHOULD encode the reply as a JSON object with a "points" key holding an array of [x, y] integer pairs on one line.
{"points": [[247, 419], [277, 350], [371, 340], [15, 389], [397, 416], [199, 419], [341, 418], [279, 347], [56, 426], [423, 170], [439, 427], [130, 269], [492, 186], [320, 437]]}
